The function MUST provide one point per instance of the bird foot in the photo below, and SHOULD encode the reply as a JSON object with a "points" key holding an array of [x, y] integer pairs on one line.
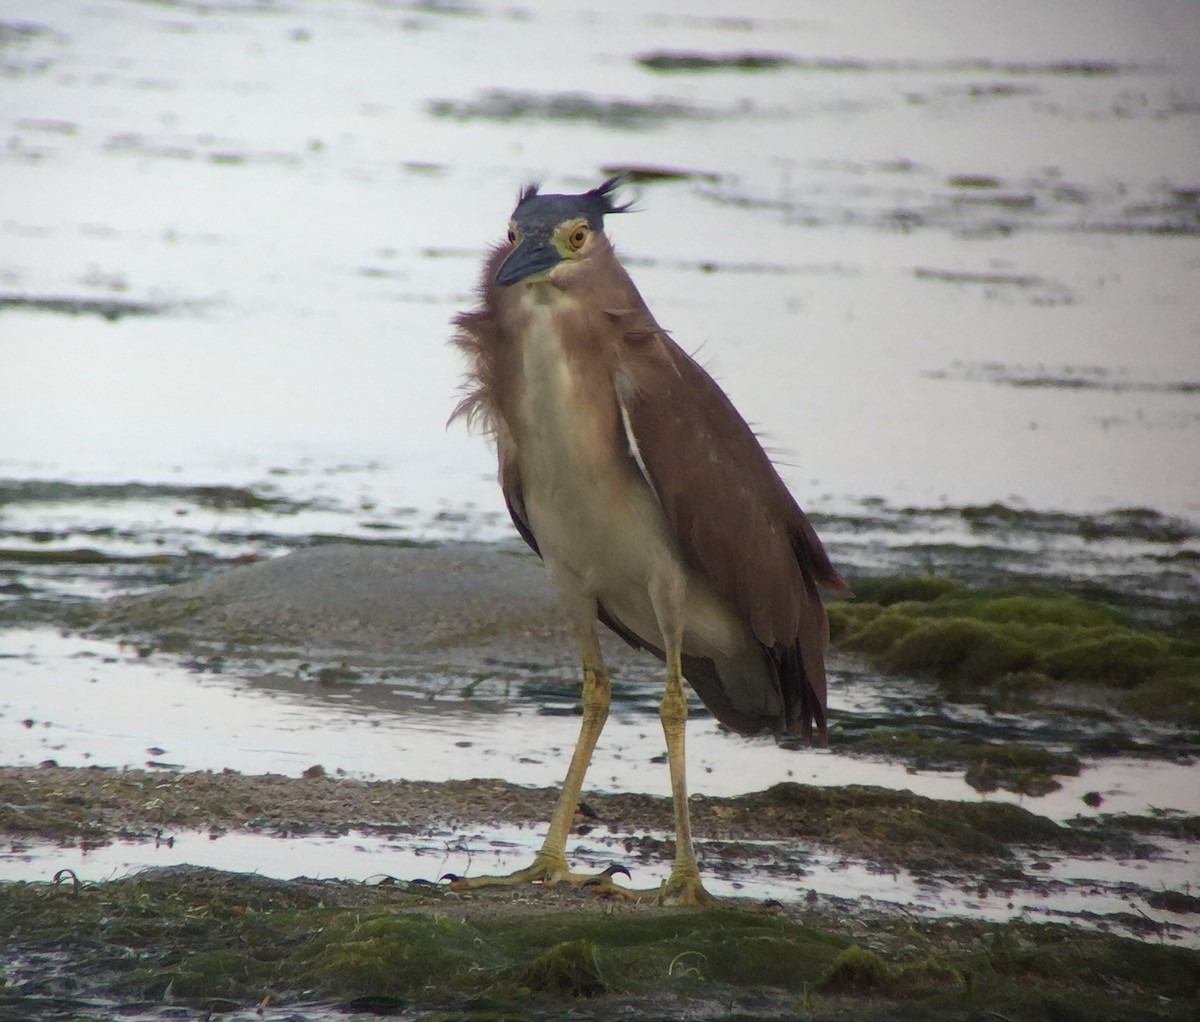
{"points": [[547, 869], [682, 887]]}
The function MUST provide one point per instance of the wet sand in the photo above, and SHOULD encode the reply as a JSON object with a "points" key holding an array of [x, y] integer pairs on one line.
{"points": [[376, 605]]}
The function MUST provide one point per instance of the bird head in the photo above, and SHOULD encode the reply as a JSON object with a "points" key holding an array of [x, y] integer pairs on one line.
{"points": [[547, 231]]}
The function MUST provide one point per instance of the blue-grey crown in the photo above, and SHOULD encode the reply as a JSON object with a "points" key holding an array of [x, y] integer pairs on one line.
{"points": [[536, 212]]}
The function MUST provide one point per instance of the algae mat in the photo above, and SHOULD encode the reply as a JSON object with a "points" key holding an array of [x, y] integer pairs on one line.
{"points": [[217, 945]]}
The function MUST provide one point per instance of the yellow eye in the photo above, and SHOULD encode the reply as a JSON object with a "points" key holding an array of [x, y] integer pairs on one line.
{"points": [[512, 235], [577, 237]]}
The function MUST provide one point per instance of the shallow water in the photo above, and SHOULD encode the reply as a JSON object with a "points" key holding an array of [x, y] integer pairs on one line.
{"points": [[80, 702], [1109, 893], [940, 261], [937, 259], [1066, 888]]}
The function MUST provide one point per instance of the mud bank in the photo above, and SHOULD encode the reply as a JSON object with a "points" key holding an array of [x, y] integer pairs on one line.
{"points": [[871, 899], [216, 944]]}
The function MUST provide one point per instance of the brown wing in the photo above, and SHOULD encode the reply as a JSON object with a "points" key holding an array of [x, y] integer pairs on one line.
{"points": [[734, 519], [733, 516]]}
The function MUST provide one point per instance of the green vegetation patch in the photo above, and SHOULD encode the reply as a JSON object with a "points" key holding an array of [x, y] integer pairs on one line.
{"points": [[1137, 523], [1165, 822], [196, 937], [858, 971], [636, 952], [373, 952], [881, 823], [643, 173], [194, 934], [574, 107], [110, 309], [571, 967], [60, 555], [55, 491], [163, 612], [692, 62], [980, 642], [1027, 769], [895, 827]]}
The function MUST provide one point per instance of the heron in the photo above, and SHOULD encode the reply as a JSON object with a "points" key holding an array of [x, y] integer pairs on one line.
{"points": [[651, 502]]}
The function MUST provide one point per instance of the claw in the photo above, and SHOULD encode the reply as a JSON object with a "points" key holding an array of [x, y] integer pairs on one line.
{"points": [[607, 875], [602, 886]]}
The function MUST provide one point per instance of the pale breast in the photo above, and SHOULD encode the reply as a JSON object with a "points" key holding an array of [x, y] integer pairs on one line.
{"points": [[598, 524], [589, 511]]}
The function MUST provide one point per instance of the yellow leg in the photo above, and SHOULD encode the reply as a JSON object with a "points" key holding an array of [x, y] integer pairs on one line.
{"points": [[596, 694], [550, 864], [683, 887]]}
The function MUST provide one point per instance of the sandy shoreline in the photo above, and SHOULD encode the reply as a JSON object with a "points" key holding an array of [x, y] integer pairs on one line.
{"points": [[369, 605]]}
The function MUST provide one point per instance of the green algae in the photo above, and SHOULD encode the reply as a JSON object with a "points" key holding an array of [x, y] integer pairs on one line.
{"points": [[885, 591], [1168, 699], [60, 555], [55, 491], [676, 61], [202, 938], [1134, 523], [390, 953], [506, 105], [858, 971], [1118, 657], [989, 766], [197, 934], [880, 822], [642, 173], [895, 827], [976, 642], [571, 968], [702, 62], [637, 952], [111, 309], [1165, 822], [958, 649]]}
